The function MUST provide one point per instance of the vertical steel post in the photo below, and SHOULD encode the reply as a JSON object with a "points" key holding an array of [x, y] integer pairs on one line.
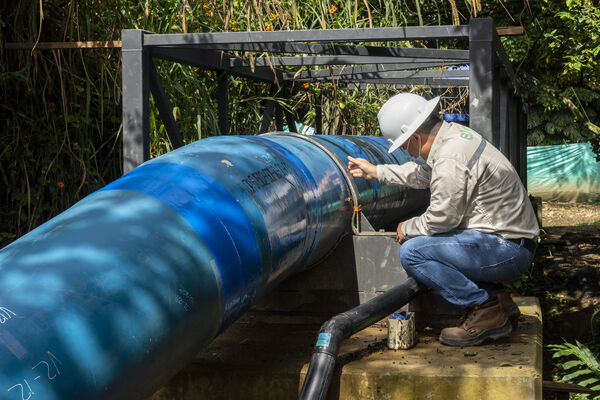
{"points": [[269, 107], [504, 117], [319, 115], [522, 131], [278, 109], [136, 104], [223, 102], [278, 118], [497, 84], [267, 116], [289, 117], [514, 140], [481, 77]]}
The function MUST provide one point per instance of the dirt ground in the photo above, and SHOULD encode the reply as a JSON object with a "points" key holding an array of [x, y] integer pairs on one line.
{"points": [[566, 272], [570, 214]]}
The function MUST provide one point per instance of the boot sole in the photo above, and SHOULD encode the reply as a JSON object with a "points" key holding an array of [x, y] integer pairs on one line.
{"points": [[492, 333]]}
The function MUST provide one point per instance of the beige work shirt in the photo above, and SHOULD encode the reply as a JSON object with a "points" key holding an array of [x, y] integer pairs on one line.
{"points": [[472, 185]]}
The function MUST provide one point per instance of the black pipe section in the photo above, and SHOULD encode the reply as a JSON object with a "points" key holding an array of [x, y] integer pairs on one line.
{"points": [[343, 325]]}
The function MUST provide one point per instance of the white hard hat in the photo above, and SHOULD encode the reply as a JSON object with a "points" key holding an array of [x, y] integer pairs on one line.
{"points": [[402, 115]]}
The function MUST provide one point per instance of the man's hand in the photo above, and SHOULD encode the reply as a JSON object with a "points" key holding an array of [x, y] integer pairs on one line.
{"points": [[361, 168], [399, 236]]}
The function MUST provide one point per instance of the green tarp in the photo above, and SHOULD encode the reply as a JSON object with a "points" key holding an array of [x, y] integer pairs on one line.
{"points": [[567, 172]]}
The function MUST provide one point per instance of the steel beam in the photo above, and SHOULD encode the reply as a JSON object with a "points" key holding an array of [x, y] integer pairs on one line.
{"points": [[214, 60], [496, 85], [267, 116], [437, 82], [522, 134], [385, 75], [269, 107], [289, 117], [504, 120], [515, 140], [278, 117], [442, 85], [319, 115], [481, 77], [389, 56], [136, 103], [333, 49], [336, 60], [359, 69], [316, 35], [164, 108]]}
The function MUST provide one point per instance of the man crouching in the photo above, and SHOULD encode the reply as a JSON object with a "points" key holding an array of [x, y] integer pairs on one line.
{"points": [[479, 229]]}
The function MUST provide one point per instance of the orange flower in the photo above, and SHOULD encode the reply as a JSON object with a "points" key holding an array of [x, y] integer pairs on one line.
{"points": [[103, 56], [209, 14], [235, 29], [333, 9], [205, 5], [196, 69], [177, 16], [52, 105], [268, 27], [274, 16], [512, 295], [305, 85], [232, 21], [61, 184]]}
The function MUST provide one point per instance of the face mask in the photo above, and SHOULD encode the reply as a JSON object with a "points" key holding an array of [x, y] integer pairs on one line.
{"points": [[419, 158]]}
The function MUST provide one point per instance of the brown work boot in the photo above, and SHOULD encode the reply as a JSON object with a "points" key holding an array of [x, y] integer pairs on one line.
{"points": [[508, 305], [482, 322]]}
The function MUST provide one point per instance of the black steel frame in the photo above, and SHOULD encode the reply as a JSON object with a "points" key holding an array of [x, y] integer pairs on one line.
{"points": [[496, 109]]}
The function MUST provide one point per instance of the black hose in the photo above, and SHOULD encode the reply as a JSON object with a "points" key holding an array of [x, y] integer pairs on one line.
{"points": [[341, 326]]}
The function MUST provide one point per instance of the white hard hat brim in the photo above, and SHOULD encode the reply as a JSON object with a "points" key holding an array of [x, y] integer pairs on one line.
{"points": [[429, 107]]}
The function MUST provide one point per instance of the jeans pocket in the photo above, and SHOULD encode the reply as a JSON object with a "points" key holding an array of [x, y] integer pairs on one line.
{"points": [[503, 271]]}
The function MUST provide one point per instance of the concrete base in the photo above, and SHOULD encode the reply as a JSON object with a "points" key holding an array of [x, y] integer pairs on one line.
{"points": [[265, 356]]}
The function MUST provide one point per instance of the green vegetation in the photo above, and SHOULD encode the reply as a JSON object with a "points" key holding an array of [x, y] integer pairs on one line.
{"points": [[578, 365], [61, 108]]}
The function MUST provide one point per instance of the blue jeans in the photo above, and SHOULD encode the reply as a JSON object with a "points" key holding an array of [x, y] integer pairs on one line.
{"points": [[462, 266]]}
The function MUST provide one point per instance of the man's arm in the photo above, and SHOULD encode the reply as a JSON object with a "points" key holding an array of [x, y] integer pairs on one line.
{"points": [[408, 174], [450, 197], [411, 174]]}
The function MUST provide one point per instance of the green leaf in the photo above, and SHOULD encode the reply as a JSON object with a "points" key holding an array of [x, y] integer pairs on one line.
{"points": [[588, 382], [575, 374], [562, 353], [572, 363]]}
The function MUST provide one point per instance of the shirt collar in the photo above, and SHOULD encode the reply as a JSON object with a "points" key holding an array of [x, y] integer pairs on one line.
{"points": [[437, 142]]}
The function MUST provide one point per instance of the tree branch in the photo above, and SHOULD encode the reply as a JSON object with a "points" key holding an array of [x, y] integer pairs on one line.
{"points": [[595, 129]]}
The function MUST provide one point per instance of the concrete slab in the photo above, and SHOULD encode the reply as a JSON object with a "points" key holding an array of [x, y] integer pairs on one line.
{"points": [[265, 356]]}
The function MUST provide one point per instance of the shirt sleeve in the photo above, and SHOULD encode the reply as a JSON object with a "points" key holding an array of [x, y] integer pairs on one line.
{"points": [[409, 174], [451, 192]]}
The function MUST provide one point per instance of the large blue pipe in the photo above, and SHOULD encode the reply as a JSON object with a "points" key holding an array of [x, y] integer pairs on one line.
{"points": [[116, 294]]}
